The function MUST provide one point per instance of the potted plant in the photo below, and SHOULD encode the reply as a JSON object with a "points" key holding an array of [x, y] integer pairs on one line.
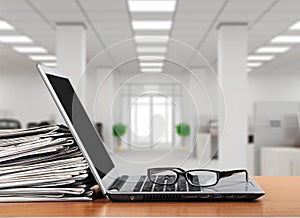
{"points": [[119, 130], [183, 130]]}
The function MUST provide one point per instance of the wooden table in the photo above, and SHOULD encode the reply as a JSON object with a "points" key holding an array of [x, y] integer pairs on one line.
{"points": [[282, 199]]}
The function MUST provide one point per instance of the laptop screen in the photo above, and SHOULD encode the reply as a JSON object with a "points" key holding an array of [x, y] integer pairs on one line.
{"points": [[82, 124]]}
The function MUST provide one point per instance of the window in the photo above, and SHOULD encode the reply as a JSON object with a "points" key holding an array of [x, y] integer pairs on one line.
{"points": [[152, 115]]}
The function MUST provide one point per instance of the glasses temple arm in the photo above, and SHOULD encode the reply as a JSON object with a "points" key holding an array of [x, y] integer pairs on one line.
{"points": [[180, 169], [230, 173]]}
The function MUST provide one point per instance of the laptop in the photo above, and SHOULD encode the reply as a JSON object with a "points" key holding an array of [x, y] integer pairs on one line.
{"points": [[116, 186]]}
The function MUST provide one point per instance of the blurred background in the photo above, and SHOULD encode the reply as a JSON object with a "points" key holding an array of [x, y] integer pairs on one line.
{"points": [[193, 83]]}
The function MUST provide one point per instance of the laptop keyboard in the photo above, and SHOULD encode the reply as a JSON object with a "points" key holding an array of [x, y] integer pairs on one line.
{"points": [[117, 185], [139, 184], [145, 185]]}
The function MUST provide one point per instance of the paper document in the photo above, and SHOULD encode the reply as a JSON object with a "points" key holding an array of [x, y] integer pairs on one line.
{"points": [[43, 164]]}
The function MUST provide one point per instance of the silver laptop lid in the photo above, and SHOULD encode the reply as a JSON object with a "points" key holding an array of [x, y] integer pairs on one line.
{"points": [[81, 127]]}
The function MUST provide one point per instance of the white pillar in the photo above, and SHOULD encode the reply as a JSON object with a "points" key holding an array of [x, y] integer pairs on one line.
{"points": [[91, 90], [232, 51], [71, 54], [102, 104]]}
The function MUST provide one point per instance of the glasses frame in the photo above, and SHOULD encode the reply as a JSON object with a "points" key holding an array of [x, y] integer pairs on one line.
{"points": [[185, 174]]}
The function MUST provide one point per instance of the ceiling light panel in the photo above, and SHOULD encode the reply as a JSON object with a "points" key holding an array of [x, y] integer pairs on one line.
{"points": [[49, 64], [151, 6], [15, 39], [151, 39], [42, 57], [156, 70], [151, 58], [260, 57], [248, 69], [151, 49], [273, 49], [286, 39], [151, 25], [4, 25], [151, 64], [30, 49], [253, 64], [295, 26]]}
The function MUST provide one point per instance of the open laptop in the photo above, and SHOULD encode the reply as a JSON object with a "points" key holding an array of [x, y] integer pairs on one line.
{"points": [[118, 187]]}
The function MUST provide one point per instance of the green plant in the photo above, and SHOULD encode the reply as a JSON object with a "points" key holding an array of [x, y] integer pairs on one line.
{"points": [[119, 130], [183, 129]]}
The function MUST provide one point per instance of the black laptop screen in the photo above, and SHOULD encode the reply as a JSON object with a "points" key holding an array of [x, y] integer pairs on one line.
{"points": [[82, 124]]}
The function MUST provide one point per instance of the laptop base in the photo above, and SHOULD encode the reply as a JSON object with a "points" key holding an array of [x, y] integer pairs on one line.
{"points": [[183, 197]]}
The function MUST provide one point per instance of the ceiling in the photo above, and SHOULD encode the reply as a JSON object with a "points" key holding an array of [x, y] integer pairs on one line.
{"points": [[109, 22]]}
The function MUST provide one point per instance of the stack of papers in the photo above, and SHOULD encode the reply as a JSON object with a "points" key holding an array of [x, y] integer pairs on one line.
{"points": [[43, 164]]}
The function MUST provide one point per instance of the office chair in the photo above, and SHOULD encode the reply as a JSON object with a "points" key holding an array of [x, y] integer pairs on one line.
{"points": [[10, 124], [36, 124], [99, 127]]}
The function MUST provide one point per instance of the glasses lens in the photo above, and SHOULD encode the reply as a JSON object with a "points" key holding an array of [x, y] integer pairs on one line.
{"points": [[202, 178], [162, 176]]}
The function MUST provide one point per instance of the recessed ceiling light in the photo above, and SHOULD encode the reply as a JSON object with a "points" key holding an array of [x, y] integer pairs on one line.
{"points": [[15, 39], [151, 39], [253, 64], [151, 70], [151, 6], [260, 57], [42, 57], [248, 69], [286, 39], [30, 49], [5, 25], [273, 49], [151, 25], [295, 26], [151, 58], [49, 64], [151, 64], [151, 49]]}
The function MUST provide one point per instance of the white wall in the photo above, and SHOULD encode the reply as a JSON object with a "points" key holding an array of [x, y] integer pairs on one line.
{"points": [[71, 55], [203, 85], [269, 86], [279, 86], [152, 78], [99, 98], [26, 97]]}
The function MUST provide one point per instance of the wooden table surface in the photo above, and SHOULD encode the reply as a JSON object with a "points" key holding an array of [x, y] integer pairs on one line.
{"points": [[282, 199]]}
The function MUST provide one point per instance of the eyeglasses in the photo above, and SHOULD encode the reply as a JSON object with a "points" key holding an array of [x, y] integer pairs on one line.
{"points": [[197, 177]]}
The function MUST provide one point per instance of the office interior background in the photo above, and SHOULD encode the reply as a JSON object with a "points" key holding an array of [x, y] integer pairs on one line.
{"points": [[224, 72]]}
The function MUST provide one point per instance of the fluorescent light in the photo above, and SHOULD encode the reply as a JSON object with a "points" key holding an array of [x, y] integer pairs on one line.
{"points": [[273, 49], [295, 26], [15, 39], [5, 25], [151, 6], [248, 69], [151, 49], [151, 58], [50, 64], [151, 25], [30, 49], [151, 64], [253, 64], [151, 39], [151, 70], [260, 57], [42, 57], [286, 39]]}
